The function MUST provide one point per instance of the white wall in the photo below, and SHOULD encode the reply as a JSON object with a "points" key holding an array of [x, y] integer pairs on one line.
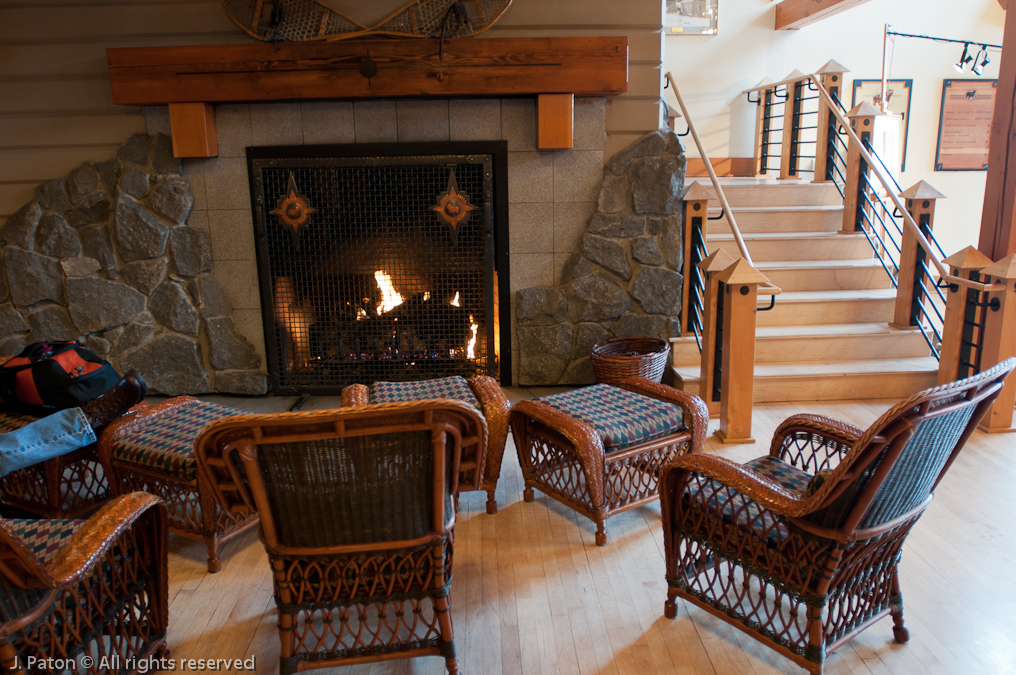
{"points": [[713, 71]]}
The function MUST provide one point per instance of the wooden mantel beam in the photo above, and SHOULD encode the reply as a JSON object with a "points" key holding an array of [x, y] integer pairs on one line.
{"points": [[332, 70], [794, 14]]}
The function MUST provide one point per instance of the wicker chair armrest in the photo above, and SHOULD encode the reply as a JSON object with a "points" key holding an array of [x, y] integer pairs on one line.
{"points": [[87, 546], [825, 433], [754, 485], [355, 395], [696, 413], [496, 409], [583, 437]]}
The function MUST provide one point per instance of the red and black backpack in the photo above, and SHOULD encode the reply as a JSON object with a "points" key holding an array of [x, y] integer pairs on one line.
{"points": [[55, 375]]}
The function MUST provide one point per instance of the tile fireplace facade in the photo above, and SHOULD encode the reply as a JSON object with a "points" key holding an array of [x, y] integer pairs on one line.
{"points": [[551, 194]]}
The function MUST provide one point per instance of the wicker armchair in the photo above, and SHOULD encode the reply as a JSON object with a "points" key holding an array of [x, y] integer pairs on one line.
{"points": [[801, 549], [92, 591], [357, 516]]}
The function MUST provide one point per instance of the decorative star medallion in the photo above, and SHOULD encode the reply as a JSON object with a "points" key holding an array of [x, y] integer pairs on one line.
{"points": [[293, 210], [453, 207]]}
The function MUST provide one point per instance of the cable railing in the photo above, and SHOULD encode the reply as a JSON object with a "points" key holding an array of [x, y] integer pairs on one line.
{"points": [[880, 214]]}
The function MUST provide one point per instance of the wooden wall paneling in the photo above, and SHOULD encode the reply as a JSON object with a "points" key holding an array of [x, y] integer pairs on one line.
{"points": [[34, 165], [70, 129], [118, 19], [555, 120]]}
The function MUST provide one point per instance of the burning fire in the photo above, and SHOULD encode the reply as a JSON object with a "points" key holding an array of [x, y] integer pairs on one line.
{"points": [[455, 301], [471, 347], [390, 297]]}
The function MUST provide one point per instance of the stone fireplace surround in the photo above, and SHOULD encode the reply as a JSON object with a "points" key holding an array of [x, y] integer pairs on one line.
{"points": [[553, 195]]}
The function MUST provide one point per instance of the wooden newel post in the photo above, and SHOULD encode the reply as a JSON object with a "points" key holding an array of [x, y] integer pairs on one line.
{"points": [[1000, 339], [956, 332], [712, 325], [738, 286], [862, 121], [696, 208], [831, 77], [909, 292]]}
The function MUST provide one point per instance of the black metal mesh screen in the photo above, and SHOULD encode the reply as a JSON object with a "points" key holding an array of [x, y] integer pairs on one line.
{"points": [[374, 285]]}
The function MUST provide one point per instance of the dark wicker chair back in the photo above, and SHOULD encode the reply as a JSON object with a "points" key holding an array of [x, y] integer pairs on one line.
{"points": [[891, 472], [356, 506], [801, 549], [93, 588]]}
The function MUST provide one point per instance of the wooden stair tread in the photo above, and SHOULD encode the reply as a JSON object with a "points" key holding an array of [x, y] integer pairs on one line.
{"points": [[778, 209], [919, 364], [831, 330], [764, 236], [838, 295], [799, 264]]}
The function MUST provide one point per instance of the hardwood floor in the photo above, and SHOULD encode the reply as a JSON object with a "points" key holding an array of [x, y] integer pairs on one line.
{"points": [[534, 595]]}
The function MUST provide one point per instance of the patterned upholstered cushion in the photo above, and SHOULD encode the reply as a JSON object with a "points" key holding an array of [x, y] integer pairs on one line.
{"points": [[735, 507], [454, 387], [10, 421], [44, 537], [165, 443], [620, 417]]}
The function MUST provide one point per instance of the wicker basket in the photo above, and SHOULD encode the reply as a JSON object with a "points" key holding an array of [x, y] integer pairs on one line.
{"points": [[624, 357]]}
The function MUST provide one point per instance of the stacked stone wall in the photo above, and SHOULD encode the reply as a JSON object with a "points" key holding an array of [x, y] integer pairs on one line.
{"points": [[105, 256], [624, 280]]}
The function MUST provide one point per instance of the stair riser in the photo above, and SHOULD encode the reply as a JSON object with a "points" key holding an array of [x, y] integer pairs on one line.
{"points": [[779, 221], [782, 195], [839, 387], [848, 247], [832, 387], [828, 278], [792, 349], [793, 313]]}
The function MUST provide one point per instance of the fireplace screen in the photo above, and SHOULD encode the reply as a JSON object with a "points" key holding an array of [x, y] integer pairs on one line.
{"points": [[377, 267]]}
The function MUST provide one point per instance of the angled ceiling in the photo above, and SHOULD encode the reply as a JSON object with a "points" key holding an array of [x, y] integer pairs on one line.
{"points": [[794, 14]]}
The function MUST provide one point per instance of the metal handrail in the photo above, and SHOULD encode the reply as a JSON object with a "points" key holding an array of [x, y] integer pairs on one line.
{"points": [[765, 289], [876, 167]]}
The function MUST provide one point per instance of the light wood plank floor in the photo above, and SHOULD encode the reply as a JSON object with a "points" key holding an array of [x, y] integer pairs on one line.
{"points": [[534, 595]]}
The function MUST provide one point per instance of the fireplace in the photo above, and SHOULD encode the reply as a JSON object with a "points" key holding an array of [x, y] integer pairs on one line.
{"points": [[381, 262]]}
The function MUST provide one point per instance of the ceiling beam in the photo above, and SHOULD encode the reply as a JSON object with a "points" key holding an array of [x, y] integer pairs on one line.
{"points": [[794, 14]]}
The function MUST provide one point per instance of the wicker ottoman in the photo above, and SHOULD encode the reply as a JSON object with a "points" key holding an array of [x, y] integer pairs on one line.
{"points": [[599, 449], [481, 464], [153, 452], [62, 487]]}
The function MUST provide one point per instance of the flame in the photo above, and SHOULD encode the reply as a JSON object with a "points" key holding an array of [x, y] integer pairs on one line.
{"points": [[361, 313], [471, 347], [455, 300], [426, 296], [390, 297]]}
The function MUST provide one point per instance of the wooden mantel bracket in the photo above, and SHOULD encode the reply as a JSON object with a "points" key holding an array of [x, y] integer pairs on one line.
{"points": [[190, 78]]}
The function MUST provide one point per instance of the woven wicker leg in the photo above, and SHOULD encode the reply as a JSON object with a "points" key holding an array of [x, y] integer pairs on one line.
{"points": [[601, 527], [528, 495], [900, 630], [670, 606]]}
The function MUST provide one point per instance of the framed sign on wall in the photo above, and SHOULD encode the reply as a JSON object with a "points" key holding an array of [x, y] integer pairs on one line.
{"points": [[897, 96], [691, 17], [964, 125]]}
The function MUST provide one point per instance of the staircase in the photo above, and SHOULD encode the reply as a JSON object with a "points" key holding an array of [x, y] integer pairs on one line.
{"points": [[828, 336]]}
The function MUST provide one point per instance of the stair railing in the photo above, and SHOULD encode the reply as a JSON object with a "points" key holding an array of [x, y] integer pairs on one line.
{"points": [[714, 307], [961, 311]]}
